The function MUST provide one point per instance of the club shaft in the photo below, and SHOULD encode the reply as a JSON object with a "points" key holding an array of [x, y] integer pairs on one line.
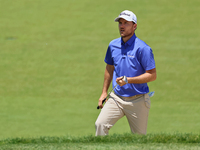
{"points": [[107, 95]]}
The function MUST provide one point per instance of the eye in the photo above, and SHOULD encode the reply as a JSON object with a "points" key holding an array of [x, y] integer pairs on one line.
{"points": [[126, 22]]}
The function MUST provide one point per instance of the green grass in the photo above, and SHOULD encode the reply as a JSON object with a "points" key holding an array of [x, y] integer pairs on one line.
{"points": [[51, 65], [112, 146], [116, 141], [115, 138]]}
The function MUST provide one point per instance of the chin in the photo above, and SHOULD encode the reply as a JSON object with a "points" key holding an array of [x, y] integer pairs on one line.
{"points": [[122, 35]]}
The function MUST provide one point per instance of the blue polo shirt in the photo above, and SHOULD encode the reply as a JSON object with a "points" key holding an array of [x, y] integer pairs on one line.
{"points": [[131, 59]]}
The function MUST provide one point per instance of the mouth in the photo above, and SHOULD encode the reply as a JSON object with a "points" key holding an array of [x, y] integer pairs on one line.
{"points": [[121, 30]]}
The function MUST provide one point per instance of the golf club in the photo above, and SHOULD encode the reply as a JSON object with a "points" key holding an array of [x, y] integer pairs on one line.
{"points": [[124, 78]]}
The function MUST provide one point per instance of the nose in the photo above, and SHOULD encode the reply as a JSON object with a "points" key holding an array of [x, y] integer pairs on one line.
{"points": [[121, 25]]}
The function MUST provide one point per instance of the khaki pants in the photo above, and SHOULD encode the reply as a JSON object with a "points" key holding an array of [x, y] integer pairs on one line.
{"points": [[136, 109]]}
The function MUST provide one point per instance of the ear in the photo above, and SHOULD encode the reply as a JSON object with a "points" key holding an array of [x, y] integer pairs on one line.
{"points": [[135, 26]]}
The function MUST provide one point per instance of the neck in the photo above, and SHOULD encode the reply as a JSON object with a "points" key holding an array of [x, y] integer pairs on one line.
{"points": [[126, 38]]}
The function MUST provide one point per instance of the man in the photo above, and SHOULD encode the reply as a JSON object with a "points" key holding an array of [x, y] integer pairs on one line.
{"points": [[131, 57]]}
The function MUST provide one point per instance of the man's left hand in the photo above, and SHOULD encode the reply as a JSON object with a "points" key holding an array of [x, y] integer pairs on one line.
{"points": [[120, 81]]}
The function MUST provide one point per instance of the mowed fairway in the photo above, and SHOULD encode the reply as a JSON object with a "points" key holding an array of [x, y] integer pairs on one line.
{"points": [[52, 64]]}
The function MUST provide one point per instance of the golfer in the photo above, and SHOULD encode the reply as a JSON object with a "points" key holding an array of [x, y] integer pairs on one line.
{"points": [[131, 57]]}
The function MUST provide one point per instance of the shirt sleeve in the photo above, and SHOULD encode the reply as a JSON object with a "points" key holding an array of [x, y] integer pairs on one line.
{"points": [[147, 58], [108, 58]]}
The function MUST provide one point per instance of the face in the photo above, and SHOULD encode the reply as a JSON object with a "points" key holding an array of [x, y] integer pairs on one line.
{"points": [[126, 29]]}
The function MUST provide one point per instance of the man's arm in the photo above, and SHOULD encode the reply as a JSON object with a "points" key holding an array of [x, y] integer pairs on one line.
{"points": [[107, 80], [148, 76]]}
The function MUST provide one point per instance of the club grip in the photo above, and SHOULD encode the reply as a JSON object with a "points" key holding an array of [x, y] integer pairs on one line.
{"points": [[102, 102]]}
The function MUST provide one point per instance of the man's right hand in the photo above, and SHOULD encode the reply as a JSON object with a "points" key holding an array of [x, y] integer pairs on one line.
{"points": [[102, 97]]}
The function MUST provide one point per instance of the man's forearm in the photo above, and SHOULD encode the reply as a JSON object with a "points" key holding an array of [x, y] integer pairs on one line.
{"points": [[148, 76], [107, 77]]}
